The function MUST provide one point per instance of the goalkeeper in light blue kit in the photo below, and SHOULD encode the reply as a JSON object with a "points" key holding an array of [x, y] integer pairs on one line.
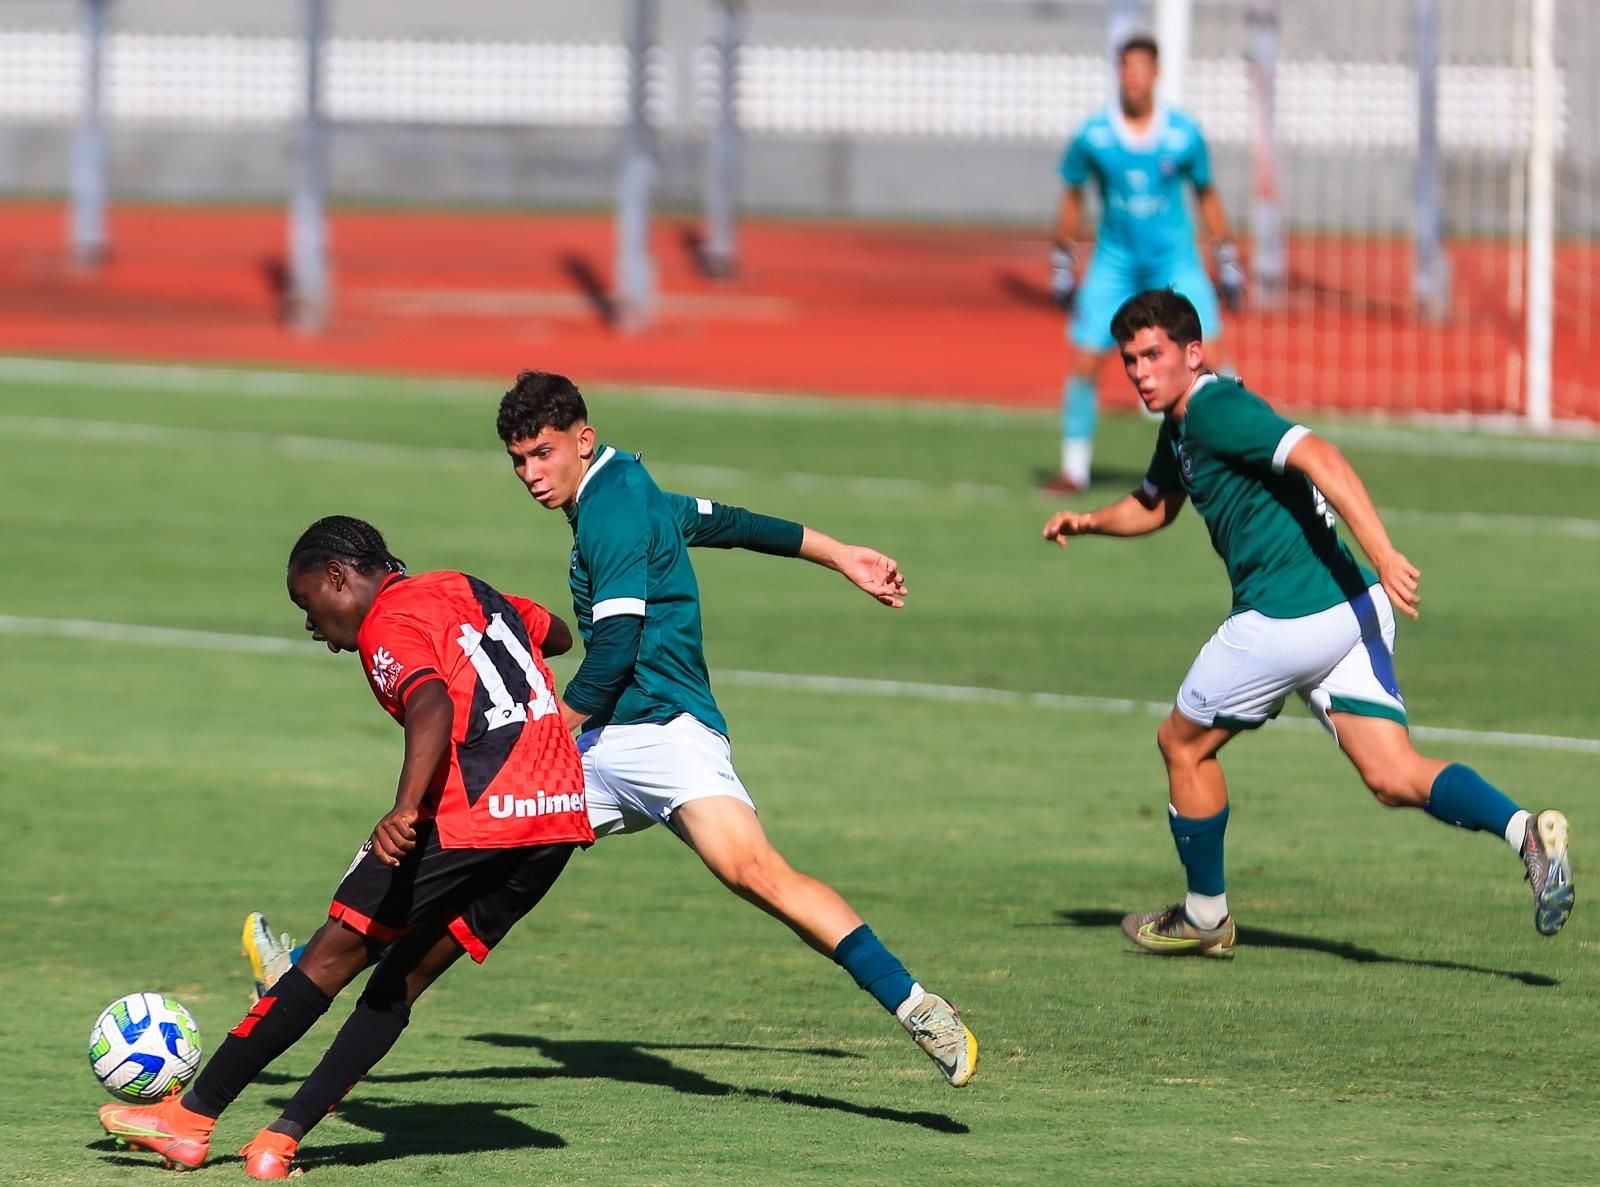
{"points": [[1138, 152]]}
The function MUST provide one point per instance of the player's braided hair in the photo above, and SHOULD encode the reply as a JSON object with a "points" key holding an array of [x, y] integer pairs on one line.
{"points": [[343, 538], [539, 400]]}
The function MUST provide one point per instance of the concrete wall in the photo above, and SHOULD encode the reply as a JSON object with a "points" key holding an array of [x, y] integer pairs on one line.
{"points": [[877, 177]]}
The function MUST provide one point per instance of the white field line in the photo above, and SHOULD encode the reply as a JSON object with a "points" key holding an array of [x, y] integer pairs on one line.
{"points": [[58, 428], [116, 632], [223, 382]]}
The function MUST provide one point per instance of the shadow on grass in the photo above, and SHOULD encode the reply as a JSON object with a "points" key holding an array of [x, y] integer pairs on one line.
{"points": [[409, 1129], [638, 1063], [1265, 937]]}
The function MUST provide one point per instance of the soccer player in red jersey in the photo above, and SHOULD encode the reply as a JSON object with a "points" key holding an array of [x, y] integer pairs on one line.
{"points": [[488, 810]]}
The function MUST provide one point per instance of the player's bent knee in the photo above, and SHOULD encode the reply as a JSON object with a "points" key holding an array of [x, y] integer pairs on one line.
{"points": [[1175, 747], [334, 956], [1394, 789]]}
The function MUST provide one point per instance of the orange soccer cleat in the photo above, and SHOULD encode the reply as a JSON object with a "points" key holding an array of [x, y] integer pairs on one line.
{"points": [[179, 1136], [269, 1155]]}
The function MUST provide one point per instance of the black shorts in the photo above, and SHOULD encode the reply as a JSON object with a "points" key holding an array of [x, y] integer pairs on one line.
{"points": [[479, 894]]}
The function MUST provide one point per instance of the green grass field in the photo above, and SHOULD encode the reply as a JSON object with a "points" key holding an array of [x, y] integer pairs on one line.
{"points": [[1391, 1017]]}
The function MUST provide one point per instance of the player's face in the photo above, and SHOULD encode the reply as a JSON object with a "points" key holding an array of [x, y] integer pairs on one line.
{"points": [[1160, 370], [1136, 80], [328, 599], [552, 464]]}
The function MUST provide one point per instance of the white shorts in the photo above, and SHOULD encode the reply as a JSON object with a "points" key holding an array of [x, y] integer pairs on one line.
{"points": [[638, 775], [1339, 661]]}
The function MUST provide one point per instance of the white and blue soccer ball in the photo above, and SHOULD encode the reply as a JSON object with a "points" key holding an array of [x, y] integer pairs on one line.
{"points": [[144, 1046]]}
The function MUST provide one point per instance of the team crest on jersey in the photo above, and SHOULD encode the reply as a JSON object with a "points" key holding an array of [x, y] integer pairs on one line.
{"points": [[574, 560], [386, 671], [1185, 464]]}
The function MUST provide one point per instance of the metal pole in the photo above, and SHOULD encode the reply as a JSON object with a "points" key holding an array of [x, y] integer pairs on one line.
{"points": [[1541, 214], [719, 253], [636, 278], [1269, 263], [89, 183], [1431, 281], [1173, 19], [309, 297]]}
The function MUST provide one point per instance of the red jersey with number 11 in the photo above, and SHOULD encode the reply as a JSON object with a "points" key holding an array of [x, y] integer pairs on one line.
{"points": [[512, 775]]}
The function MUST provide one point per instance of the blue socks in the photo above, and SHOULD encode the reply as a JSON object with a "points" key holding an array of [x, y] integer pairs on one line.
{"points": [[1462, 797], [1200, 849], [1080, 409], [875, 968]]}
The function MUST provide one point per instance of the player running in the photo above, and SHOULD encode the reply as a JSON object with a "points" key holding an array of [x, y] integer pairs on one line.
{"points": [[1138, 154], [488, 810], [1306, 619], [655, 746]]}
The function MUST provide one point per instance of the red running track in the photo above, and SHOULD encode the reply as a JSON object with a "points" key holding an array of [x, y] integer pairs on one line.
{"points": [[872, 310]]}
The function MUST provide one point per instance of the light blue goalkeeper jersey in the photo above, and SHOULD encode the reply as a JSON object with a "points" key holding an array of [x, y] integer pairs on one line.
{"points": [[1141, 180]]}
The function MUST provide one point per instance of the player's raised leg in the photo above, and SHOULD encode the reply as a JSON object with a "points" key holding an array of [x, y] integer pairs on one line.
{"points": [[1399, 777], [1197, 811], [727, 835]]}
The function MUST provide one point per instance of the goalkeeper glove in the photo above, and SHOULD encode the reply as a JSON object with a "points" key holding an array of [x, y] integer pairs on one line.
{"points": [[1064, 276], [1230, 273]]}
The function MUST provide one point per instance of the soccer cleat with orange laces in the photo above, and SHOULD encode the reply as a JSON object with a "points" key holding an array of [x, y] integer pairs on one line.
{"points": [[180, 1137]]}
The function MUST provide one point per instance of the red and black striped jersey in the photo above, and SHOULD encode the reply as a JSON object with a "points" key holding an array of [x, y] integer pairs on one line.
{"points": [[512, 775]]}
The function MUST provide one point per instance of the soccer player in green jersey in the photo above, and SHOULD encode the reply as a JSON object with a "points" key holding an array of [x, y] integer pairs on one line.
{"points": [[1306, 618], [655, 746]]}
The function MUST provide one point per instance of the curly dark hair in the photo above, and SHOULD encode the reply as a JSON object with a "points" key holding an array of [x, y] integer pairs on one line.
{"points": [[539, 400]]}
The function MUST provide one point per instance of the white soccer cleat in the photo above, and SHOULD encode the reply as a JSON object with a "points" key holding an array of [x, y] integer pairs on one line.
{"points": [[268, 955], [938, 1030]]}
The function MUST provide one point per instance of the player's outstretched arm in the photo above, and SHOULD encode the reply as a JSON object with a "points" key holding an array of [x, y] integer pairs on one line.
{"points": [[865, 568], [707, 524], [429, 714], [1136, 514], [1341, 486]]}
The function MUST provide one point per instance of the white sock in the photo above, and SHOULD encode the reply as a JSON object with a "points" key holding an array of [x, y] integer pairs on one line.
{"points": [[1076, 453], [1206, 910], [1517, 829], [913, 1000]]}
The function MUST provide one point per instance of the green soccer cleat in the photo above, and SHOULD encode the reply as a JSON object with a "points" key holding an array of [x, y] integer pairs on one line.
{"points": [[938, 1030], [1544, 852], [1170, 933], [268, 955]]}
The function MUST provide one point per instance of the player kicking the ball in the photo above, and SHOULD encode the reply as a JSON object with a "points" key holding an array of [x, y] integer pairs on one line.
{"points": [[1306, 619], [488, 810], [655, 746]]}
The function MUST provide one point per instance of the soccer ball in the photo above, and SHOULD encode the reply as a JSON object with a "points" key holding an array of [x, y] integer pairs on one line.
{"points": [[143, 1047]]}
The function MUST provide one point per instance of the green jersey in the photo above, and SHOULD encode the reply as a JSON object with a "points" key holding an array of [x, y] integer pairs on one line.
{"points": [[1273, 529], [629, 556]]}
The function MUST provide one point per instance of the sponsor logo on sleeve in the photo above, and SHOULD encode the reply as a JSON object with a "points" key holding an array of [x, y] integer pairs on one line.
{"points": [[386, 671]]}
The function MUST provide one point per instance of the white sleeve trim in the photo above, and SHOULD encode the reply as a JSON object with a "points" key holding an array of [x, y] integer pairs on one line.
{"points": [[1286, 443], [1149, 489], [611, 607], [704, 505]]}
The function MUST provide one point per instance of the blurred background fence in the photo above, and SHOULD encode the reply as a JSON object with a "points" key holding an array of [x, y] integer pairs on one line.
{"points": [[1382, 159]]}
